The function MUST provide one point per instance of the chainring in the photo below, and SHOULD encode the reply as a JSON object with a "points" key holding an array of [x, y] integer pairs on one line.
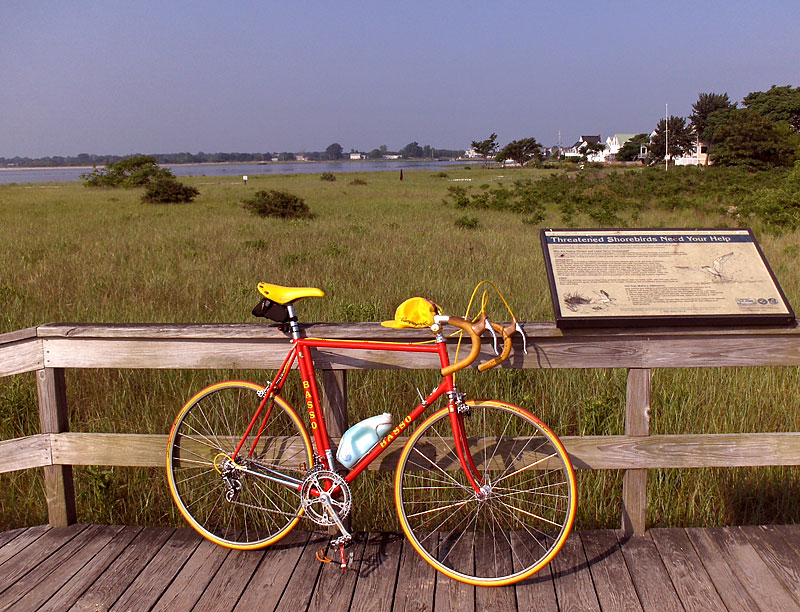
{"points": [[314, 493]]}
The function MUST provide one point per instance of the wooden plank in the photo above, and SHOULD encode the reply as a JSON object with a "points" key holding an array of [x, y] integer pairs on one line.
{"points": [[147, 588], [778, 554], [140, 450], [19, 335], [251, 347], [7, 536], [37, 551], [689, 577], [54, 418], [637, 424], [537, 592], [572, 579], [612, 581], [416, 582], [372, 330], [451, 595], [304, 579], [587, 452], [190, 583], [494, 557], [19, 543], [59, 569], [277, 566], [649, 576], [377, 576], [25, 453], [335, 588], [731, 591], [23, 354], [229, 581], [746, 564], [107, 588], [29, 591], [88, 574]]}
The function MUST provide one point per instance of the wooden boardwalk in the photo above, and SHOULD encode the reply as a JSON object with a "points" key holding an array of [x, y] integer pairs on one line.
{"points": [[97, 568]]}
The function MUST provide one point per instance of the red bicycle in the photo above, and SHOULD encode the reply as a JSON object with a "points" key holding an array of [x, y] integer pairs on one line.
{"points": [[484, 490]]}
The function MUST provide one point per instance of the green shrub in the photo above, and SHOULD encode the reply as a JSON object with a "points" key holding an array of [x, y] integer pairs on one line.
{"points": [[278, 203], [327, 176], [467, 222], [166, 189], [358, 181]]}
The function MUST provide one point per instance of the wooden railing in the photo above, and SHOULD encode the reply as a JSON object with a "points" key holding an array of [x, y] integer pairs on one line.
{"points": [[49, 350]]}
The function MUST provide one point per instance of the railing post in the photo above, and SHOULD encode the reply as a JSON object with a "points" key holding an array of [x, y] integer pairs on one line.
{"points": [[334, 410], [637, 423], [334, 402], [53, 418]]}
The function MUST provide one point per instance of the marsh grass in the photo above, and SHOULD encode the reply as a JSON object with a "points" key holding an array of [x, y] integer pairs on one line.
{"points": [[76, 254]]}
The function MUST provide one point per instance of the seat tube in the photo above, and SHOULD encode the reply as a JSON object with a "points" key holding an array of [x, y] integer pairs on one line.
{"points": [[312, 403]]}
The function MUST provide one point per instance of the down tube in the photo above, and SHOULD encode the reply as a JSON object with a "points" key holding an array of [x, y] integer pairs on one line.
{"points": [[381, 446]]}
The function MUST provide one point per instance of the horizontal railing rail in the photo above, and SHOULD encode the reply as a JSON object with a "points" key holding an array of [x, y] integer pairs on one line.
{"points": [[49, 350]]}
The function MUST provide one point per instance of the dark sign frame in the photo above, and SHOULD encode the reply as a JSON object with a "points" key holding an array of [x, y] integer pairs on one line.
{"points": [[600, 309]]}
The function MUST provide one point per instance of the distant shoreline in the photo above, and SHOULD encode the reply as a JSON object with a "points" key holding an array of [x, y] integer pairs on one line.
{"points": [[245, 163]]}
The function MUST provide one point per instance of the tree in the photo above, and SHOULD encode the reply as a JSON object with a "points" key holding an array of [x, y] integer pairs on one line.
{"points": [[681, 140], [136, 171], [520, 151], [743, 137], [334, 151], [631, 149], [485, 148], [706, 104], [412, 149], [778, 104]]}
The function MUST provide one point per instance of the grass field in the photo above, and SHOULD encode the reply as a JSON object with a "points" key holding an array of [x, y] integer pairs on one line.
{"points": [[85, 255]]}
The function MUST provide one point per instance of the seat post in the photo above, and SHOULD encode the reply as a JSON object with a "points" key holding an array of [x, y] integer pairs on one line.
{"points": [[293, 322]]}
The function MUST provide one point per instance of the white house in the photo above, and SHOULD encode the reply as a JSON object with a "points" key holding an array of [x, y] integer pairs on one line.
{"points": [[698, 157], [577, 150], [614, 144], [356, 155]]}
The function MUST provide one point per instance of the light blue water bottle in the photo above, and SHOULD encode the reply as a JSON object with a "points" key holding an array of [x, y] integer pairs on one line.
{"points": [[362, 437]]}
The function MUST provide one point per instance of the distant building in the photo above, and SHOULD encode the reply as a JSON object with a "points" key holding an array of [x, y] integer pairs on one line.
{"points": [[698, 157], [356, 155], [614, 144], [578, 149]]}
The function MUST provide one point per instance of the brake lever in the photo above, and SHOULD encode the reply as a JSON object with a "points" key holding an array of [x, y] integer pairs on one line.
{"points": [[522, 333], [490, 327]]}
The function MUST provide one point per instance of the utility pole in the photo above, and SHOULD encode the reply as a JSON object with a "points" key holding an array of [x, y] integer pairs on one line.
{"points": [[666, 151]]}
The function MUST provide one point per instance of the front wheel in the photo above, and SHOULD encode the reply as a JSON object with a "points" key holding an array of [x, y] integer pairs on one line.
{"points": [[246, 501], [523, 513]]}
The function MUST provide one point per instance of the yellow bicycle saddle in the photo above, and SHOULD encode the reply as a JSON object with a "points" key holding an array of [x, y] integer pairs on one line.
{"points": [[286, 295]]}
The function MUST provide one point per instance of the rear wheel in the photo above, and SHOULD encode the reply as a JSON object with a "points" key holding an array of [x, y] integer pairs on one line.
{"points": [[523, 513], [243, 502]]}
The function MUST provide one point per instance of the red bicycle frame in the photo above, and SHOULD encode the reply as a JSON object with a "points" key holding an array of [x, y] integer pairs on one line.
{"points": [[301, 353]]}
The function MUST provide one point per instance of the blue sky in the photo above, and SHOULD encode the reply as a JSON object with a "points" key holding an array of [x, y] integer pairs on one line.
{"points": [[126, 77]]}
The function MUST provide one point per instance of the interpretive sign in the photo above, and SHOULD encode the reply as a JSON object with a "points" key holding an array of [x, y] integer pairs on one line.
{"points": [[616, 277]]}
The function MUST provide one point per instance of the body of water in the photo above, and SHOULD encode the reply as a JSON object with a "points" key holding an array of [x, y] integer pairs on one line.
{"points": [[64, 174]]}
